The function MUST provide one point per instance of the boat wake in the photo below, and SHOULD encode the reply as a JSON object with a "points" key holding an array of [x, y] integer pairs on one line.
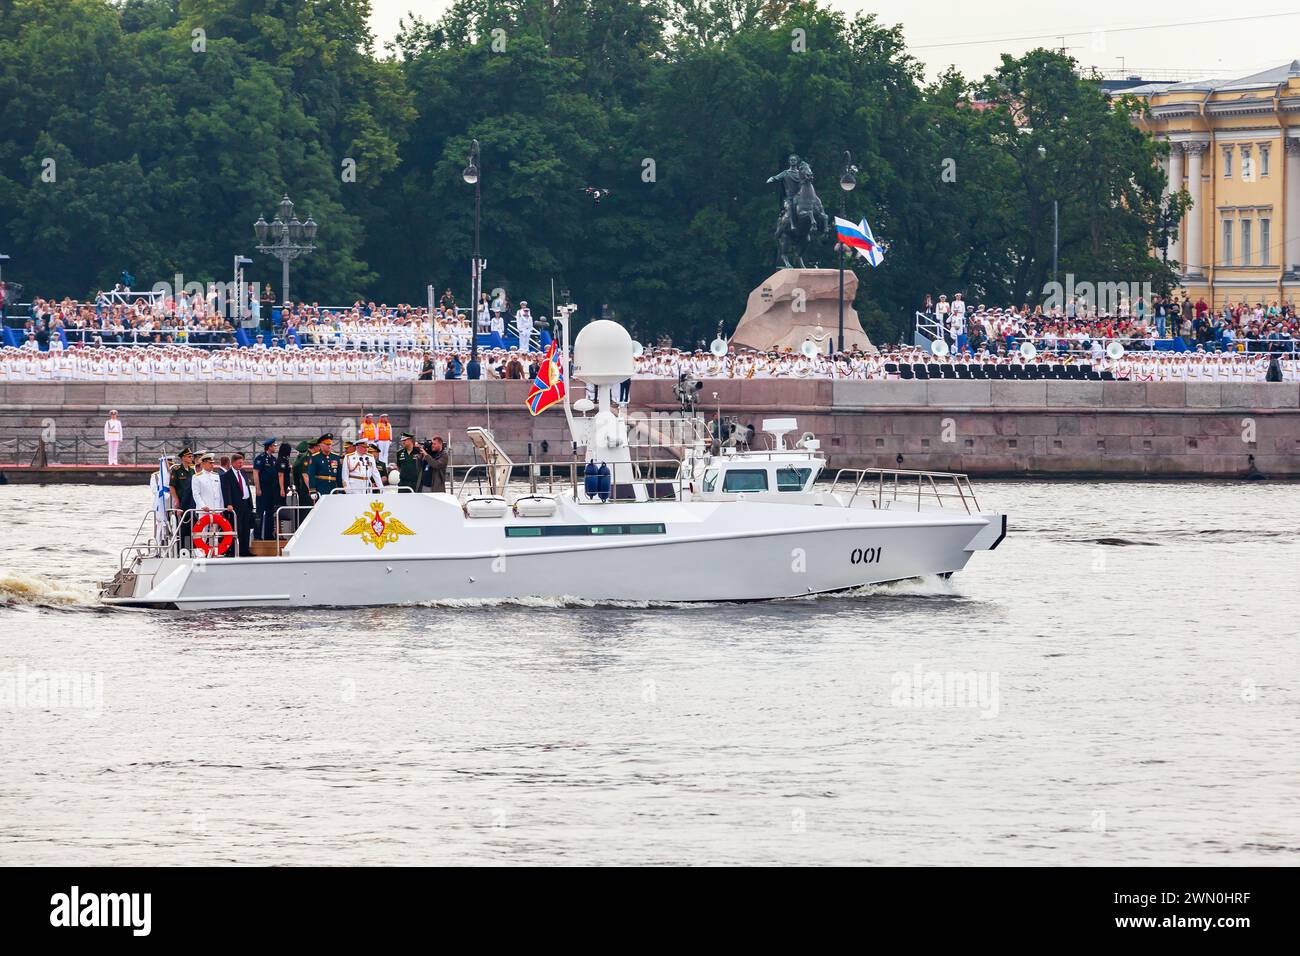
{"points": [[26, 590], [928, 586]]}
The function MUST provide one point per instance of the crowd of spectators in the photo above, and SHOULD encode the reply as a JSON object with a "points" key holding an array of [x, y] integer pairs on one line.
{"points": [[1163, 323], [121, 317]]}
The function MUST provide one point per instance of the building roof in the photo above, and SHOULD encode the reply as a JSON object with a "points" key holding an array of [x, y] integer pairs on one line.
{"points": [[1265, 79]]}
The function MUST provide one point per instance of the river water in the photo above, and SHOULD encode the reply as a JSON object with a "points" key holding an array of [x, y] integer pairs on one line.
{"points": [[1119, 683]]}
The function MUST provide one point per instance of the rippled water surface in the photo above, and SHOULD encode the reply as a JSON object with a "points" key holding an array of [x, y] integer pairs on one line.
{"points": [[1131, 695]]}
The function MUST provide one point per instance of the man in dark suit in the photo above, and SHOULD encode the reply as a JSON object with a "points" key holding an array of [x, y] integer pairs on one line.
{"points": [[238, 496]]}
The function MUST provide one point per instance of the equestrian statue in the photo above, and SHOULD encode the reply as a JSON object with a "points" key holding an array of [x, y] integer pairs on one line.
{"points": [[801, 213]]}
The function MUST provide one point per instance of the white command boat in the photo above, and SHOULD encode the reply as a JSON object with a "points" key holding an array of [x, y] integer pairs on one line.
{"points": [[713, 525]]}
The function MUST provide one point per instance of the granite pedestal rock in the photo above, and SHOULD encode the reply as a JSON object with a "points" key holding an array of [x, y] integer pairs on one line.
{"points": [[787, 309]]}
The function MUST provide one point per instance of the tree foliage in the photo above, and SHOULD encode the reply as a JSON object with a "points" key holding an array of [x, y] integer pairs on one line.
{"points": [[172, 124]]}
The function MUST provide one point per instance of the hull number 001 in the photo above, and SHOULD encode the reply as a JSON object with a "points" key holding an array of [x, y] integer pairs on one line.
{"points": [[865, 555]]}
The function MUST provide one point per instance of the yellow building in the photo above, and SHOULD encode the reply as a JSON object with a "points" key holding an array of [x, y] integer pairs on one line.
{"points": [[1235, 146]]}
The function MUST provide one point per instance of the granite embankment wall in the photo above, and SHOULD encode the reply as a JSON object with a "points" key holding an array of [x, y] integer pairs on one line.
{"points": [[1119, 429]]}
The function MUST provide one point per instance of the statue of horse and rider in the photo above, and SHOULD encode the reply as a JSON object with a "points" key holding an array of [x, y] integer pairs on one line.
{"points": [[801, 215]]}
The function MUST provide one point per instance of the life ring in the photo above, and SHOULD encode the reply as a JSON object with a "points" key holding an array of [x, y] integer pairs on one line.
{"points": [[225, 535]]}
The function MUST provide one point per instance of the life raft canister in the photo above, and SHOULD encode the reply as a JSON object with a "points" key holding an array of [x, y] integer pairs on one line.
{"points": [[225, 536]]}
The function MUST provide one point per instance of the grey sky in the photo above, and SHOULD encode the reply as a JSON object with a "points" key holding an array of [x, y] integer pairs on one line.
{"points": [[1092, 32]]}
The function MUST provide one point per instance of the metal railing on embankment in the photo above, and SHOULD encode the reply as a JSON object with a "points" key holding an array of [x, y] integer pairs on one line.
{"points": [[78, 450]]}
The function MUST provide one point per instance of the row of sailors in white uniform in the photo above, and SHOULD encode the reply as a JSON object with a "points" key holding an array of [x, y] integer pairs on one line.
{"points": [[182, 364], [385, 336], [1136, 366], [373, 336], [178, 364], [1142, 366]]}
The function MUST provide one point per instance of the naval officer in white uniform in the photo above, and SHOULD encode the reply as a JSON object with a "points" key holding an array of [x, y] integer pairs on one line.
{"points": [[206, 487], [113, 435]]}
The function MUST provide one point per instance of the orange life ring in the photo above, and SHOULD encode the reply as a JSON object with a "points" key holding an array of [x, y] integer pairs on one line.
{"points": [[225, 537]]}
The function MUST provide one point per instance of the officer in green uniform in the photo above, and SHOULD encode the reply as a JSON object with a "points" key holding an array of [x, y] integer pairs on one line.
{"points": [[324, 469], [409, 462], [182, 497]]}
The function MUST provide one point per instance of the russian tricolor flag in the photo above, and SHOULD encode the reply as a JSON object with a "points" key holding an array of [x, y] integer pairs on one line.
{"points": [[859, 237]]}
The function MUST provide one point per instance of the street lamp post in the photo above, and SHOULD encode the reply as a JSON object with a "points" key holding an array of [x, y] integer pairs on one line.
{"points": [[289, 239], [1056, 219], [1164, 221], [471, 176], [848, 179], [241, 298]]}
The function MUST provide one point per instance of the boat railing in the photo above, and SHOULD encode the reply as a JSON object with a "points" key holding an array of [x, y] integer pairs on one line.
{"points": [[142, 546], [658, 479], [661, 478], [372, 490], [898, 485], [792, 455], [280, 512], [485, 478], [165, 539]]}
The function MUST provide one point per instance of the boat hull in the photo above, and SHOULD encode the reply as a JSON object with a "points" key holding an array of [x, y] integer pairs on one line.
{"points": [[698, 567]]}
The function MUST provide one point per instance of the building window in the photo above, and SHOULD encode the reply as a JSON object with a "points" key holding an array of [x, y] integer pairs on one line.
{"points": [[1263, 160], [1247, 165], [1265, 237], [1247, 253], [1227, 162], [1227, 242]]}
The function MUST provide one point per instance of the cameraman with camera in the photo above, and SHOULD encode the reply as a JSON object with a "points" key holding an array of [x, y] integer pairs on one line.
{"points": [[435, 460], [422, 466]]}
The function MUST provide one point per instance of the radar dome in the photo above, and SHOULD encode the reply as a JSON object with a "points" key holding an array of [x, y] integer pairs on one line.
{"points": [[602, 353]]}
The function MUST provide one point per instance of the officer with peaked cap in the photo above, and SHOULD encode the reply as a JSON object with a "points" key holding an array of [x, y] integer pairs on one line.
{"points": [[410, 462], [182, 477], [268, 482], [324, 469]]}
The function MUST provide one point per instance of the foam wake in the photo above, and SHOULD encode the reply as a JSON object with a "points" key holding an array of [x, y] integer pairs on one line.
{"points": [[928, 586], [26, 590]]}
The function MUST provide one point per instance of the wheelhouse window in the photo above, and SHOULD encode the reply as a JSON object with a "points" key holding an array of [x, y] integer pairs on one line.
{"points": [[744, 479], [792, 479], [710, 479]]}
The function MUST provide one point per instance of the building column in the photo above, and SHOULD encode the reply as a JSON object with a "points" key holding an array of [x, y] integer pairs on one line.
{"points": [[1193, 261], [1175, 184], [1291, 216]]}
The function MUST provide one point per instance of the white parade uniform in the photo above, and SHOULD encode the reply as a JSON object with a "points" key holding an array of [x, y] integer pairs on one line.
{"points": [[206, 488], [524, 319], [113, 436], [360, 474]]}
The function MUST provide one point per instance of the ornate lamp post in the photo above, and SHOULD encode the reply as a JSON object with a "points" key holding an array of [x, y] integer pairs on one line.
{"points": [[471, 176], [848, 179], [1056, 219], [289, 238]]}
